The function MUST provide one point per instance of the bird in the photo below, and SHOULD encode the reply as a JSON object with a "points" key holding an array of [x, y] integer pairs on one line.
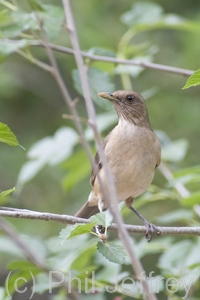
{"points": [[133, 152]]}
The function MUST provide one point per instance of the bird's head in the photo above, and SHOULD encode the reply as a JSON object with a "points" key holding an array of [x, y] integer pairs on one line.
{"points": [[129, 106]]}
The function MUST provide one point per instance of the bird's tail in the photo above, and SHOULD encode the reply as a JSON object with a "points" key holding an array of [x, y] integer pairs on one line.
{"points": [[87, 211]]}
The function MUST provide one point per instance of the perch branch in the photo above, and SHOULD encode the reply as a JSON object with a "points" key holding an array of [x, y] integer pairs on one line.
{"points": [[67, 219]]}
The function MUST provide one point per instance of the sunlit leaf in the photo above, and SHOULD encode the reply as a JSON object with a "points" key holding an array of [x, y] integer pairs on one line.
{"points": [[191, 200], [113, 252], [187, 171], [8, 192], [7, 136], [4, 17], [193, 80]]}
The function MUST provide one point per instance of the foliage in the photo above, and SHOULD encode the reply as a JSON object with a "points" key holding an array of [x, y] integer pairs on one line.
{"points": [[7, 136], [149, 34], [193, 80]]}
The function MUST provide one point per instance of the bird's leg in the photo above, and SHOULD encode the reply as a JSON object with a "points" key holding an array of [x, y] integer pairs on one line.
{"points": [[150, 228]]}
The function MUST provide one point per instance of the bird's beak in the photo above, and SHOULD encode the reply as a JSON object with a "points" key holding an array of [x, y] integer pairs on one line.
{"points": [[108, 96]]}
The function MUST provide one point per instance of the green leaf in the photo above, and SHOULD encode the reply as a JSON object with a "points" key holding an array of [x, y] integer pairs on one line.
{"points": [[187, 171], [22, 21], [52, 17], [173, 260], [7, 136], [193, 80], [6, 193], [25, 276], [99, 81], [99, 219], [182, 259], [4, 17], [142, 13], [191, 200], [76, 229], [50, 150], [175, 216], [102, 218], [113, 252], [84, 258], [23, 265], [78, 168], [133, 71], [35, 5], [175, 151]]}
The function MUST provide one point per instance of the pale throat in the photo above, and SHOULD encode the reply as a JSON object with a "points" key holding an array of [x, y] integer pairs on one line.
{"points": [[126, 128]]}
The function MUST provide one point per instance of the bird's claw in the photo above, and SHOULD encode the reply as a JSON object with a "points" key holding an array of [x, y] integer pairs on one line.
{"points": [[150, 230]]}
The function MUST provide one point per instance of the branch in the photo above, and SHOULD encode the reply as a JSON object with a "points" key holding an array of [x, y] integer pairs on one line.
{"points": [[111, 196], [65, 93], [107, 59], [67, 219], [13, 234], [154, 66]]}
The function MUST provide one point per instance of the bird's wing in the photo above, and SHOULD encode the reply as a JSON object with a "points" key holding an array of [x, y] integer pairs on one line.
{"points": [[98, 163]]}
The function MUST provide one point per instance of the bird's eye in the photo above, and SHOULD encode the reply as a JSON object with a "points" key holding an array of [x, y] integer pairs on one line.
{"points": [[130, 98]]}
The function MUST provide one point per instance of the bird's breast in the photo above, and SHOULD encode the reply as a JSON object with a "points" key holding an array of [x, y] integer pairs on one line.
{"points": [[132, 154]]}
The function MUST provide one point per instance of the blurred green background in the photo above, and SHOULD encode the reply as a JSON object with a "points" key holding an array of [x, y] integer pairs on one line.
{"points": [[32, 106]]}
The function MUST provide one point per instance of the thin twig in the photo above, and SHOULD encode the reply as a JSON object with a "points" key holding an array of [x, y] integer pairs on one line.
{"points": [[143, 64], [13, 234], [67, 219], [71, 117], [65, 93], [107, 59], [37, 62]]}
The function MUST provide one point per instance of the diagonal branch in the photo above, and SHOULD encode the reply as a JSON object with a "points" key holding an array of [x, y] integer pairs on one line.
{"points": [[13, 234], [122, 232]]}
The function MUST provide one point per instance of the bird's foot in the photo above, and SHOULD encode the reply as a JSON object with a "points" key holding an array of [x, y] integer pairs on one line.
{"points": [[150, 230]]}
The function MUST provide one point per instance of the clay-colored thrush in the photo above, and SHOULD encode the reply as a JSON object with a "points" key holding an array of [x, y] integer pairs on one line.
{"points": [[133, 152]]}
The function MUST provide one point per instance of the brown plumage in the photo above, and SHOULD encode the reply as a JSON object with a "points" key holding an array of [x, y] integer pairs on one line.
{"points": [[132, 151]]}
